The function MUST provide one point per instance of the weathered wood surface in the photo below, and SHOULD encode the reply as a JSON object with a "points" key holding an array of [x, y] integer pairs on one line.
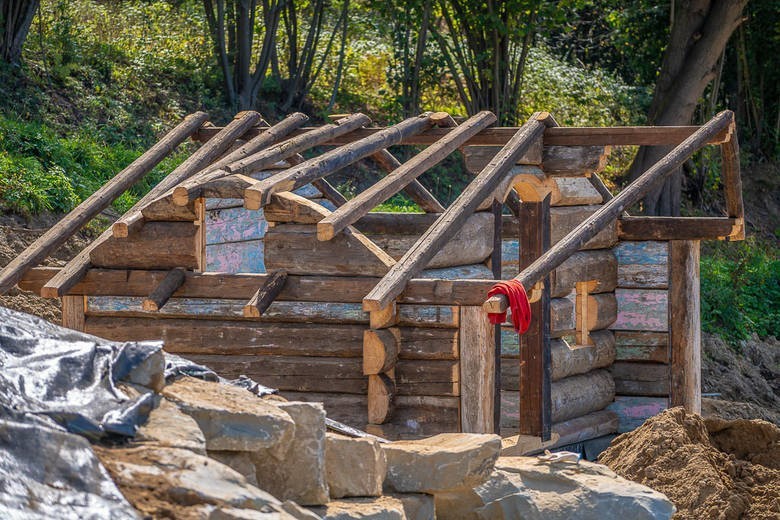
{"points": [[158, 245], [461, 272], [685, 324], [234, 225], [732, 183], [572, 397], [162, 293], [472, 243], [265, 295], [401, 176], [336, 289], [573, 431], [381, 395], [642, 265], [164, 209], [573, 191], [560, 136], [288, 208], [574, 160], [650, 347], [477, 371], [415, 417], [415, 190], [633, 411], [477, 157], [650, 379], [439, 316], [73, 312], [380, 350], [97, 202], [601, 266], [236, 257], [295, 248], [641, 310], [565, 219], [677, 228], [415, 260]]}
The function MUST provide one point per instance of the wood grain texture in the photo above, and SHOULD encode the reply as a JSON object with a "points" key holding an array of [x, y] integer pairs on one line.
{"points": [[574, 160], [641, 310], [159, 245], [649, 379], [380, 350], [162, 293], [381, 397], [676, 228], [633, 411], [598, 265], [685, 324], [477, 376], [265, 295], [642, 265], [650, 347], [565, 219], [73, 312]]}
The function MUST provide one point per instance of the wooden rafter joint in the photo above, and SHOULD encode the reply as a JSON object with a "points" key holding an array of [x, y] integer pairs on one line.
{"points": [[163, 292], [265, 295]]}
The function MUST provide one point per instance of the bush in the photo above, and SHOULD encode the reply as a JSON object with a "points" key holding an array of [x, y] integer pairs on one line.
{"points": [[740, 290]]}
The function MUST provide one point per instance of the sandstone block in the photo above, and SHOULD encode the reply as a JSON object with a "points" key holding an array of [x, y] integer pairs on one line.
{"points": [[354, 467], [231, 418], [170, 427], [447, 461], [150, 372], [239, 461], [394, 507], [299, 472]]}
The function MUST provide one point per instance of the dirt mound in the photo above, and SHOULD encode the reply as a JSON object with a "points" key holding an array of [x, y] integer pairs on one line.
{"points": [[730, 410], [709, 469]]}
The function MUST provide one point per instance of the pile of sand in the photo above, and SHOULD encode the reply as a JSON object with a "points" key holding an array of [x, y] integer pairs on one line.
{"points": [[709, 468]]}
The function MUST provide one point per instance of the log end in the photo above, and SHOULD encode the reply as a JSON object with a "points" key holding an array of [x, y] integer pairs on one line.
{"points": [[253, 198], [50, 292], [325, 231], [381, 390], [150, 305], [120, 230], [251, 311], [496, 304], [181, 196]]}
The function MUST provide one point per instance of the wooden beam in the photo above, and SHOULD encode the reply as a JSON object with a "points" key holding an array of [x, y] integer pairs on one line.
{"points": [[448, 223], [535, 356], [392, 183], [265, 295], [561, 136], [78, 266], [415, 190], [163, 292], [189, 189], [732, 184], [97, 202], [259, 194], [477, 371], [73, 312], [329, 192], [678, 228], [685, 324], [612, 209]]}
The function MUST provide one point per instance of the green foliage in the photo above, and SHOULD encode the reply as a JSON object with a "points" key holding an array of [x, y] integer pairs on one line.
{"points": [[740, 290], [398, 204]]}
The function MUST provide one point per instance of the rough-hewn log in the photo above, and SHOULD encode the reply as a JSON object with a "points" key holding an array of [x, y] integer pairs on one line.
{"points": [[434, 239], [393, 182], [564, 433], [163, 292], [678, 228], [651, 379], [732, 183], [381, 393], [415, 190], [599, 265], [612, 209], [97, 202], [574, 160], [477, 371], [565, 219], [158, 245], [286, 207], [477, 157], [581, 394], [265, 295], [649, 347], [380, 350], [259, 194], [685, 324], [573, 191], [642, 264]]}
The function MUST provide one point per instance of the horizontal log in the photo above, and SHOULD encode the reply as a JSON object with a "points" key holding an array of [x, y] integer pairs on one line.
{"points": [[633, 411], [599, 265], [564, 433], [236, 257], [381, 394], [335, 289], [563, 220], [158, 245], [561, 136], [459, 273], [380, 350], [234, 225], [642, 346], [642, 265], [678, 228], [648, 379], [164, 209], [472, 244], [477, 157], [574, 160], [642, 310]]}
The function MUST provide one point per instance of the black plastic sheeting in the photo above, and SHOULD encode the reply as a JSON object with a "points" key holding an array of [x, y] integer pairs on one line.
{"points": [[54, 383]]}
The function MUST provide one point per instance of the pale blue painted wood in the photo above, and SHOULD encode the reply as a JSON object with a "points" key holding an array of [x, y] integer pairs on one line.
{"points": [[643, 253], [234, 225], [632, 411], [463, 272], [235, 257], [642, 310]]}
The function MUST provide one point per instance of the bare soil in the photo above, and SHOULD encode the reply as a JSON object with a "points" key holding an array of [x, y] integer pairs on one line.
{"points": [[708, 468]]}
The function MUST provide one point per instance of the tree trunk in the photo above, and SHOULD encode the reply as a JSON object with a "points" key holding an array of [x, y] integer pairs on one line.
{"points": [[15, 19], [699, 33]]}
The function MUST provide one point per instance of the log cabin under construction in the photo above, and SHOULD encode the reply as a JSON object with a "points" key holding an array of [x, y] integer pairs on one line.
{"points": [[247, 260]]}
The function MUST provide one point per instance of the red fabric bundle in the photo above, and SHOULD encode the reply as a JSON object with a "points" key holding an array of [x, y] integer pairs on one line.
{"points": [[518, 303]]}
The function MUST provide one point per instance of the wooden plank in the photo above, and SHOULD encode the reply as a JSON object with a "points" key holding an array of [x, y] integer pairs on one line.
{"points": [[633, 411], [162, 293], [641, 310], [676, 228], [159, 245], [499, 136], [295, 248], [97, 202], [236, 257], [642, 265], [433, 240], [477, 365], [73, 312], [471, 244], [642, 346], [685, 324], [565, 219], [265, 295], [574, 160], [600, 266], [234, 225], [649, 379], [415, 190]]}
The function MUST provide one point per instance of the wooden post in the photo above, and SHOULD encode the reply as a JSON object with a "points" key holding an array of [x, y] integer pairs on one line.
{"points": [[495, 264], [732, 183], [477, 372], [583, 311], [685, 324], [265, 295], [535, 362], [97, 202], [73, 308], [163, 292]]}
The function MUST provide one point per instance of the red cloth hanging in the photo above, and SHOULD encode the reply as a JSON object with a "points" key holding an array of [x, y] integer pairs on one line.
{"points": [[518, 303]]}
